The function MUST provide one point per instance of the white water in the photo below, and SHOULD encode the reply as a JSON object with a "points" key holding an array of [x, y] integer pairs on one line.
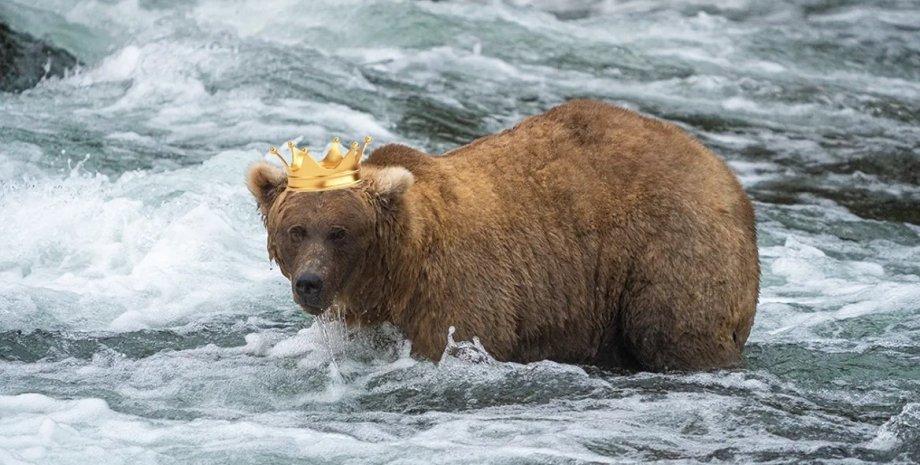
{"points": [[141, 322]]}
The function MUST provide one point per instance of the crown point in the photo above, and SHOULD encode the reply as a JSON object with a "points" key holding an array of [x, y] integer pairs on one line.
{"points": [[274, 151], [336, 140]]}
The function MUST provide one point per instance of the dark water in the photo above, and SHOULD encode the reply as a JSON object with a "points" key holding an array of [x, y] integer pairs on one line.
{"points": [[140, 321]]}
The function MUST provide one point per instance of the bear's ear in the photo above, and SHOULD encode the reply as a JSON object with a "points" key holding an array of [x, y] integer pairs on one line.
{"points": [[265, 181], [387, 183]]}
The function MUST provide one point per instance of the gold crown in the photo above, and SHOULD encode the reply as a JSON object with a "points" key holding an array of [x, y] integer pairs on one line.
{"points": [[335, 171]]}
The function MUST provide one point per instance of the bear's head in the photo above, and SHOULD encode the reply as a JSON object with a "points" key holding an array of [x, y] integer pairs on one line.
{"points": [[324, 242]]}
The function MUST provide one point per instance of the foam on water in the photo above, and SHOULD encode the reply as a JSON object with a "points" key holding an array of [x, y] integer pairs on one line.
{"points": [[143, 249], [141, 321]]}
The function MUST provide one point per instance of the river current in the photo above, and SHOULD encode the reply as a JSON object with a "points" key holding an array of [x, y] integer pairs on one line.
{"points": [[141, 321]]}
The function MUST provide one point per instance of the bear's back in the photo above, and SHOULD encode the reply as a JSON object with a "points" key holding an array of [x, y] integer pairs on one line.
{"points": [[584, 166], [600, 163]]}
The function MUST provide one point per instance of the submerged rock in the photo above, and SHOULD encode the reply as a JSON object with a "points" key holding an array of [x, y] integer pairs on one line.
{"points": [[26, 60]]}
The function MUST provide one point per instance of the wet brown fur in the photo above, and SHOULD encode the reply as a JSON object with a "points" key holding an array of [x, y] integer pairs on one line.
{"points": [[587, 234]]}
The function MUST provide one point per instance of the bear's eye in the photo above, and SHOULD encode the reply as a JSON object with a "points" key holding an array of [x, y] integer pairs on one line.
{"points": [[336, 235], [297, 233]]}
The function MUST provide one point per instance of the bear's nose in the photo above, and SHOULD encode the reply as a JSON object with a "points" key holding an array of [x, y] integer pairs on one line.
{"points": [[308, 286]]}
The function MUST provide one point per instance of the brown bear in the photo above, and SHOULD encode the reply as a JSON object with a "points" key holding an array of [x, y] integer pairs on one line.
{"points": [[588, 234]]}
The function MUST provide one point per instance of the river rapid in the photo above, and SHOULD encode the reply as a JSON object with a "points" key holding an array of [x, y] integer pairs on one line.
{"points": [[141, 321]]}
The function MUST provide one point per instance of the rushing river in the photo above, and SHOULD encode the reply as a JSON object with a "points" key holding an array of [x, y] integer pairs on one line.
{"points": [[141, 321]]}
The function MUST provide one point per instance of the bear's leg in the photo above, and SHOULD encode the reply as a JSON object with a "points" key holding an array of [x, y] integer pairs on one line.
{"points": [[681, 312]]}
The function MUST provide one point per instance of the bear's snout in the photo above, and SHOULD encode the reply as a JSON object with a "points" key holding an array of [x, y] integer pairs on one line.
{"points": [[308, 287]]}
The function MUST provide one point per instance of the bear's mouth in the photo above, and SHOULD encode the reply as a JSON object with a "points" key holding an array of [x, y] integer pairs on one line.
{"points": [[311, 309]]}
